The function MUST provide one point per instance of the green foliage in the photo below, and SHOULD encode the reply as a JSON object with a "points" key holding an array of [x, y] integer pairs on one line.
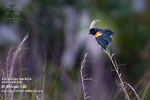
{"points": [[146, 90], [53, 84], [2, 12]]}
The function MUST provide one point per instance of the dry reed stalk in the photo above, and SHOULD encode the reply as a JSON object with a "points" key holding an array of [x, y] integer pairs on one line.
{"points": [[118, 73], [83, 79], [14, 57]]}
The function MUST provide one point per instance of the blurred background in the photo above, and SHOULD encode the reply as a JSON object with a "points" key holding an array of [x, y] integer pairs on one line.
{"points": [[58, 35]]}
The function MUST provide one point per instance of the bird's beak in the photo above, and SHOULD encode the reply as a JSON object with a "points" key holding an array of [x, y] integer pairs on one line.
{"points": [[89, 33]]}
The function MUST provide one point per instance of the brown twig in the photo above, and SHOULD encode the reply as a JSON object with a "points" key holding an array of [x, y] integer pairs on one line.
{"points": [[86, 96], [137, 96], [118, 74]]}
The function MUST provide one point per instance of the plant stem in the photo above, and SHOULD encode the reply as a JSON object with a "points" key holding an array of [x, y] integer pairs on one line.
{"points": [[118, 74], [86, 96]]}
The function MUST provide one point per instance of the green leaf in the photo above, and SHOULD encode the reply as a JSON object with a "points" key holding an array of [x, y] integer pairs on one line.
{"points": [[54, 83], [145, 90]]}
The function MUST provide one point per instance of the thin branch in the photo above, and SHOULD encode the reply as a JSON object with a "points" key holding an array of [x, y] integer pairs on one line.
{"points": [[90, 79], [137, 96], [86, 96], [118, 73], [87, 79]]}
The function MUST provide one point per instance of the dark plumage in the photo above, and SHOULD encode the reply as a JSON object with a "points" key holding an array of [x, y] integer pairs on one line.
{"points": [[102, 36]]}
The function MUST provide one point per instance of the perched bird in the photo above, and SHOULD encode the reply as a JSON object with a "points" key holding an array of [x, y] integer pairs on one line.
{"points": [[102, 36]]}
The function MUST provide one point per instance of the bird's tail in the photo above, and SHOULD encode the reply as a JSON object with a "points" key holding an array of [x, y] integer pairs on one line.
{"points": [[108, 32], [110, 47]]}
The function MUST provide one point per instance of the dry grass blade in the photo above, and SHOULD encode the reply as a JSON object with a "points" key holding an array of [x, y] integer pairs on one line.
{"points": [[93, 23], [7, 60], [146, 90], [43, 85], [15, 55]]}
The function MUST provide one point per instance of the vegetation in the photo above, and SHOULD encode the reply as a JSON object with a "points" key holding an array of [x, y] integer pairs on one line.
{"points": [[57, 40]]}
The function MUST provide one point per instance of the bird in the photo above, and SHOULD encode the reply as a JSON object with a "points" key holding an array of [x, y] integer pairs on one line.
{"points": [[102, 36]]}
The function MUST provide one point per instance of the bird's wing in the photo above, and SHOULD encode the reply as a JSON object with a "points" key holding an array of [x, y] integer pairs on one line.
{"points": [[108, 32], [107, 38], [103, 43]]}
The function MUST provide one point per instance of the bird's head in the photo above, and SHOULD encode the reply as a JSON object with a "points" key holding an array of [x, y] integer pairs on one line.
{"points": [[93, 31]]}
